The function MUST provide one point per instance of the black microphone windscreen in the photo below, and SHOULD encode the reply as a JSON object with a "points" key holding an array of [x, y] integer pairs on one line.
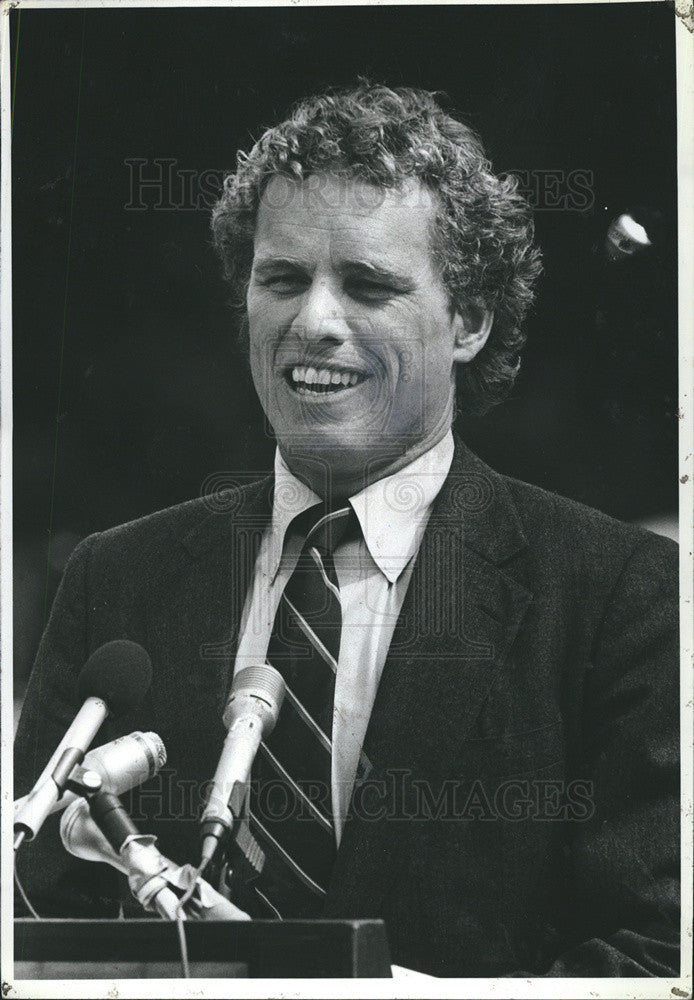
{"points": [[119, 672]]}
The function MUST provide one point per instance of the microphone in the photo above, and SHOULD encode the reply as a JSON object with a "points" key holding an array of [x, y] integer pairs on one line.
{"points": [[121, 764], [250, 715], [99, 829], [114, 680]]}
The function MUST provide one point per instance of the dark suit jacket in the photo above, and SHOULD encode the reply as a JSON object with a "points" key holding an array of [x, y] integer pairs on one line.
{"points": [[521, 815]]}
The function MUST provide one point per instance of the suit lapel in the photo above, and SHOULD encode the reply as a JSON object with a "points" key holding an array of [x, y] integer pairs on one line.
{"points": [[223, 544], [460, 616]]}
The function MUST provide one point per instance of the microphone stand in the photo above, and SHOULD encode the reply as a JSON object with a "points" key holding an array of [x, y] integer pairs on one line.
{"points": [[124, 847], [157, 883], [238, 859]]}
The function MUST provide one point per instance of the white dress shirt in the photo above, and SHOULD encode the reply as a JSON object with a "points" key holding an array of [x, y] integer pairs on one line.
{"points": [[373, 573]]}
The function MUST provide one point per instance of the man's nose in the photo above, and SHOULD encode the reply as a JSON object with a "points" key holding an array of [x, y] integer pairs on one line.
{"points": [[321, 316]]}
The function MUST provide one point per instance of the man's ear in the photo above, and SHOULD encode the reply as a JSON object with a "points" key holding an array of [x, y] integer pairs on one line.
{"points": [[471, 328]]}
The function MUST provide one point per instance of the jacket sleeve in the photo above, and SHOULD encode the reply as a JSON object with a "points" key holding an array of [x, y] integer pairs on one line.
{"points": [[624, 861], [56, 883]]}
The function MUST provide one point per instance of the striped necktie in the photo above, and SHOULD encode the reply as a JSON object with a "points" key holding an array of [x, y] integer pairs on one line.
{"points": [[290, 802]]}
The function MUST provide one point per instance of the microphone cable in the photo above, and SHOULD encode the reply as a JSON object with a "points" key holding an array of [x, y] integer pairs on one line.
{"points": [[183, 945], [22, 893], [179, 915]]}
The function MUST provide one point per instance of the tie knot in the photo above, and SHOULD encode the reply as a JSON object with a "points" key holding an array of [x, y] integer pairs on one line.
{"points": [[326, 529]]}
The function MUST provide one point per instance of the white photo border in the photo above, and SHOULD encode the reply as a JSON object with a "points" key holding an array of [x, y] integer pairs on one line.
{"points": [[416, 986]]}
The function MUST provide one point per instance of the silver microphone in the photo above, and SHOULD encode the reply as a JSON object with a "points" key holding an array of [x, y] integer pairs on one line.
{"points": [[114, 681], [122, 764], [250, 715]]}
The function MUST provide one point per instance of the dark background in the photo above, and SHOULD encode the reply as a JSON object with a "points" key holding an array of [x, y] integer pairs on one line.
{"points": [[128, 390]]}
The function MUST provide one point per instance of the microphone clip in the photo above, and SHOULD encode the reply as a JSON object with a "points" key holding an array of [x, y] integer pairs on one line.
{"points": [[84, 781]]}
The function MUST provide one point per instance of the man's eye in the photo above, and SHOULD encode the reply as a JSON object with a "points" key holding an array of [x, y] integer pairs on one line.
{"points": [[370, 290], [285, 283]]}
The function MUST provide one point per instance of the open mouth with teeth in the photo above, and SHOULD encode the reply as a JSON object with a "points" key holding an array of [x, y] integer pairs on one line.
{"points": [[321, 381]]}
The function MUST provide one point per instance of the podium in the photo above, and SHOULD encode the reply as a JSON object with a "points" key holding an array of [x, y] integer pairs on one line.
{"points": [[149, 949]]}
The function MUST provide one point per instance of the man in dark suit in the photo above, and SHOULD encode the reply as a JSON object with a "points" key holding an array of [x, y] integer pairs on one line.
{"points": [[479, 742]]}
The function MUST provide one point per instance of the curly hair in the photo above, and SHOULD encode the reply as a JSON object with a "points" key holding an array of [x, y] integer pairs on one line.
{"points": [[483, 233]]}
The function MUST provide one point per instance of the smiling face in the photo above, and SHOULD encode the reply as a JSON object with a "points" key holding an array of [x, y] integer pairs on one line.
{"points": [[352, 335]]}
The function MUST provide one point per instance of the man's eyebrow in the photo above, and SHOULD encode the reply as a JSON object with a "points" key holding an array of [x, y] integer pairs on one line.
{"points": [[264, 263], [351, 268]]}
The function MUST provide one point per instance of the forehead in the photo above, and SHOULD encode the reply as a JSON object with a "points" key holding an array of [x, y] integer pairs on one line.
{"points": [[344, 216]]}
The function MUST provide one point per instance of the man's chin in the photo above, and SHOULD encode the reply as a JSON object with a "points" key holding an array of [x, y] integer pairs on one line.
{"points": [[329, 446], [339, 460]]}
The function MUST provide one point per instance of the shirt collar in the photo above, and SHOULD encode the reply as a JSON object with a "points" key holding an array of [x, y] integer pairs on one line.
{"points": [[290, 498], [393, 512]]}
